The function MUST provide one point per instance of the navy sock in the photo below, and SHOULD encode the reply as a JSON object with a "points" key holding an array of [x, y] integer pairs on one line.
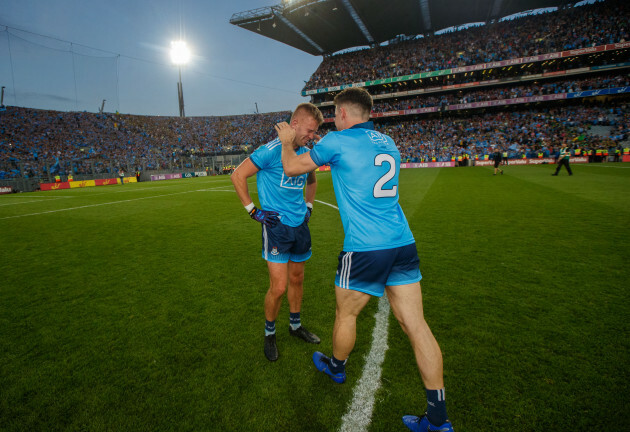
{"points": [[270, 327], [436, 407], [294, 320], [337, 366]]}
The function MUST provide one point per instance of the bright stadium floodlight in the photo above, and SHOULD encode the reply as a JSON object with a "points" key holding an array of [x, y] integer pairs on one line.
{"points": [[180, 55]]}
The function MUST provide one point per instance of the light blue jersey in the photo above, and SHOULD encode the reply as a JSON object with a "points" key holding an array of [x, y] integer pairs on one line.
{"points": [[276, 191], [365, 165]]}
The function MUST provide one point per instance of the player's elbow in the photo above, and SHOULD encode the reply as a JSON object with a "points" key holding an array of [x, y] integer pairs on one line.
{"points": [[236, 177], [291, 173], [291, 170]]}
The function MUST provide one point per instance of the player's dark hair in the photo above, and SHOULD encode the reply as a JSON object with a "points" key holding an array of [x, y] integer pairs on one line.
{"points": [[310, 109], [356, 96]]}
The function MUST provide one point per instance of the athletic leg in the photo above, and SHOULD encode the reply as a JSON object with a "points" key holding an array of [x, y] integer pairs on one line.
{"points": [[349, 304], [294, 294], [296, 286], [406, 303], [278, 275]]}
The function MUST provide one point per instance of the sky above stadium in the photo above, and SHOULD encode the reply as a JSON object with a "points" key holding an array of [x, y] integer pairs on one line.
{"points": [[69, 55]]}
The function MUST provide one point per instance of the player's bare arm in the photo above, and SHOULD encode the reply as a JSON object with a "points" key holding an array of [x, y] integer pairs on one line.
{"points": [[239, 179], [311, 187], [293, 164]]}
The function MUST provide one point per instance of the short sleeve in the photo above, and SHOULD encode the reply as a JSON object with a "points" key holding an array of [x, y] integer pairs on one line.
{"points": [[260, 157], [327, 150]]}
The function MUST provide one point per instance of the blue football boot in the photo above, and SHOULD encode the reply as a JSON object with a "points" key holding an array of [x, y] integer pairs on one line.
{"points": [[322, 363], [422, 424]]}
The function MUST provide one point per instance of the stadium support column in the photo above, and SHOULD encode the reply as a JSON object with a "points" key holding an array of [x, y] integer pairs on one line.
{"points": [[180, 94], [180, 56]]}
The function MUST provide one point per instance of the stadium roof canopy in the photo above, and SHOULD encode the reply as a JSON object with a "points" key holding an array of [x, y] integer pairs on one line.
{"points": [[322, 27]]}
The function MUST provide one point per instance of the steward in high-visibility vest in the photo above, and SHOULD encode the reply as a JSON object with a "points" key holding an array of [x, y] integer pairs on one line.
{"points": [[578, 151], [617, 154], [433, 159], [563, 160], [452, 158], [70, 178], [57, 179], [540, 155]]}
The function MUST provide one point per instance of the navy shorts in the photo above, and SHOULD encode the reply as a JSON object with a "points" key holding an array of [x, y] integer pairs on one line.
{"points": [[371, 271], [283, 243]]}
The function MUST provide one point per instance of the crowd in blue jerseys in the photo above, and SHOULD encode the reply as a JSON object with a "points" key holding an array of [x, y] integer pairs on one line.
{"points": [[34, 142], [522, 133], [591, 25]]}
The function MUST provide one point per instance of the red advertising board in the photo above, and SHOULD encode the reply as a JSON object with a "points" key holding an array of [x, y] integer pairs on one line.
{"points": [[54, 186], [103, 182]]}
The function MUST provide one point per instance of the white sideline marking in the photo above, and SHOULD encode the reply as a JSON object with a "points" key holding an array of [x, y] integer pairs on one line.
{"points": [[37, 201], [102, 204], [359, 414], [329, 205]]}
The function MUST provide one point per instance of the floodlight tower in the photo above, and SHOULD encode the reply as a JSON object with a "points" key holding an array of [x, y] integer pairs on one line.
{"points": [[180, 55]]}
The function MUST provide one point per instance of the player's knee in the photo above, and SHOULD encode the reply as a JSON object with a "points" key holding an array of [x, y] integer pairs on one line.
{"points": [[296, 279], [412, 325], [277, 289]]}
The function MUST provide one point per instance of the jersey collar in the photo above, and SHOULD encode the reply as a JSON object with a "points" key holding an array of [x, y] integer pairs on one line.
{"points": [[365, 125]]}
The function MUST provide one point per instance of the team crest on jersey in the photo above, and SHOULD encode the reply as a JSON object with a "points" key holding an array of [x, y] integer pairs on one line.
{"points": [[376, 137], [274, 251]]}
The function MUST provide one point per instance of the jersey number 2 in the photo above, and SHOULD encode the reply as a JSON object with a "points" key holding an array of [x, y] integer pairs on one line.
{"points": [[379, 192]]}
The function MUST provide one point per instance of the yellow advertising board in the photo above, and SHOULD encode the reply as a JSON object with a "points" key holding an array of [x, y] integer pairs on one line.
{"points": [[82, 183]]}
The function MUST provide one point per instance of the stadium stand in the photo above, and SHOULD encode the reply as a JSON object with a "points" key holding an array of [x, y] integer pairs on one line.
{"points": [[38, 143], [521, 85], [591, 25]]}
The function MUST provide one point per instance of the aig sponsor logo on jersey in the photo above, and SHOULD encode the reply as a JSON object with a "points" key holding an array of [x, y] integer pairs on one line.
{"points": [[293, 182], [376, 137]]}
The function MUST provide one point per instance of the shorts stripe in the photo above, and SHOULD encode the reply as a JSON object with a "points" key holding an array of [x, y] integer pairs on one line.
{"points": [[345, 270], [265, 241]]}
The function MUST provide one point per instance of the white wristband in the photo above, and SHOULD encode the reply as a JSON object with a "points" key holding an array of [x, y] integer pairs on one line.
{"points": [[249, 207], [309, 205]]}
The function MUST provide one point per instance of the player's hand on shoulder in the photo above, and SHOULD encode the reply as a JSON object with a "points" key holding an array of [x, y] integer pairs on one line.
{"points": [[265, 217]]}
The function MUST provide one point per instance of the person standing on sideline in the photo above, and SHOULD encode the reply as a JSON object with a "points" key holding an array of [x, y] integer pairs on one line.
{"points": [[379, 251], [563, 159], [121, 174], [497, 157], [284, 215]]}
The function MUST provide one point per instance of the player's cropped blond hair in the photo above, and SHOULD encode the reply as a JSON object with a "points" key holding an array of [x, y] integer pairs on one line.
{"points": [[311, 110]]}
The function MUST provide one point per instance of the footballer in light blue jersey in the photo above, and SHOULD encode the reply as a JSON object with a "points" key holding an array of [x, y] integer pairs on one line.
{"points": [[379, 254], [276, 191], [371, 216], [286, 203]]}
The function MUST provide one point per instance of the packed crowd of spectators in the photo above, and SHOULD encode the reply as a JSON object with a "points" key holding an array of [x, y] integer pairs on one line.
{"points": [[33, 142], [586, 26], [519, 133], [38, 142], [484, 94]]}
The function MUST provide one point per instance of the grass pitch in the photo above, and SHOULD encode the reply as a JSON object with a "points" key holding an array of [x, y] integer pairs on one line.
{"points": [[139, 307]]}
